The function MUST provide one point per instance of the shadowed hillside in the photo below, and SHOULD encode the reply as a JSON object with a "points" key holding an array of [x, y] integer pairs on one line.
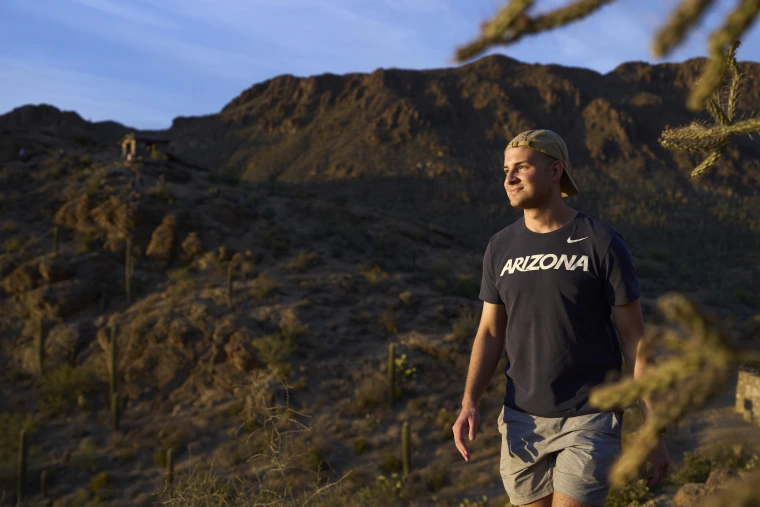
{"points": [[288, 240]]}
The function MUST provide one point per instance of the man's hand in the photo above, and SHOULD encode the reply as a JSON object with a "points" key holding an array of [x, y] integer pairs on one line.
{"points": [[660, 459], [467, 423]]}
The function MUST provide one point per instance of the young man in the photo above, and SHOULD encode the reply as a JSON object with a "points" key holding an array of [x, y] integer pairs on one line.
{"points": [[552, 282]]}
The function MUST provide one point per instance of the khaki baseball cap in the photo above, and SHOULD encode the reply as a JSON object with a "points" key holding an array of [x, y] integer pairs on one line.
{"points": [[550, 143]]}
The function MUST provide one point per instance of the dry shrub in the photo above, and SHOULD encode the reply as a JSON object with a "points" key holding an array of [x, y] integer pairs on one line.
{"points": [[388, 322], [374, 274], [263, 286], [466, 326], [371, 392], [304, 260]]}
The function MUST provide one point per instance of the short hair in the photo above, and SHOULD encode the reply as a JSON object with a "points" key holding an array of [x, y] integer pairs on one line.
{"points": [[549, 159]]}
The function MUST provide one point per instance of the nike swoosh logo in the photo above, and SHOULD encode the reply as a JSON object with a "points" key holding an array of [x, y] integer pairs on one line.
{"points": [[570, 240]]}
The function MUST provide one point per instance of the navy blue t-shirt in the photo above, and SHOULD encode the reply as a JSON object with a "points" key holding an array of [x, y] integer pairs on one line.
{"points": [[557, 289]]}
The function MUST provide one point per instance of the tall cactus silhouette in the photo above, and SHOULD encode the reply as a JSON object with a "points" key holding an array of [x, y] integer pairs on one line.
{"points": [[392, 371], [405, 448], [115, 411], [713, 139], [21, 479], [128, 270], [54, 232], [112, 364], [40, 346], [43, 484], [511, 23], [230, 267], [169, 468]]}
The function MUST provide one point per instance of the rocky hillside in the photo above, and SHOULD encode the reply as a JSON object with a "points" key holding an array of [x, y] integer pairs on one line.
{"points": [[286, 243]]}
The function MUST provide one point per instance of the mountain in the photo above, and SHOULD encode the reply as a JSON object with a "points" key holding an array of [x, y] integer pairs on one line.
{"points": [[254, 276]]}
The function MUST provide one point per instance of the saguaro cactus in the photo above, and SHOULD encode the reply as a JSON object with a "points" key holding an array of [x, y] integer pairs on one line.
{"points": [[21, 466], [115, 411], [43, 483], [112, 364], [55, 241], [169, 468], [129, 266], [229, 284], [40, 344], [405, 448], [392, 371]]}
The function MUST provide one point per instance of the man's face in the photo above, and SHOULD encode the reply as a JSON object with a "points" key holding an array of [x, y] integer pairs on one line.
{"points": [[527, 177]]}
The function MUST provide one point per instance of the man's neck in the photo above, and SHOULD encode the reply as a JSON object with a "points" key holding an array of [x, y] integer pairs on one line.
{"points": [[549, 218]]}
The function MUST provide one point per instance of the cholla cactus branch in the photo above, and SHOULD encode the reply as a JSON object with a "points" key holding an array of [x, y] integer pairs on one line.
{"points": [[736, 82], [735, 24], [710, 160], [697, 369], [505, 19], [713, 139], [511, 23], [713, 107], [681, 20]]}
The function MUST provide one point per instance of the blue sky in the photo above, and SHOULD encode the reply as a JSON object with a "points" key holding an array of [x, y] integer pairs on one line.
{"points": [[144, 62]]}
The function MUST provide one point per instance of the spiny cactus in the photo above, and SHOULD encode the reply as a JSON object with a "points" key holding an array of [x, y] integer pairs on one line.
{"points": [[169, 468], [405, 448], [128, 270], [54, 232], [40, 345], [21, 479], [112, 364], [392, 371], [115, 411], [43, 483], [696, 368], [713, 139], [230, 267], [511, 23]]}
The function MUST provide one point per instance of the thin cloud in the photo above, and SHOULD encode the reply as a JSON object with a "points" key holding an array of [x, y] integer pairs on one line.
{"points": [[207, 59], [91, 95], [131, 14]]}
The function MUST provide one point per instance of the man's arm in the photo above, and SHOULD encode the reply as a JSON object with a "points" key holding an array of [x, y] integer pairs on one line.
{"points": [[630, 327], [486, 352]]}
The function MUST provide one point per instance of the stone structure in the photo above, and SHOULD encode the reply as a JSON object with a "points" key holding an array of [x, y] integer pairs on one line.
{"points": [[133, 145], [748, 396]]}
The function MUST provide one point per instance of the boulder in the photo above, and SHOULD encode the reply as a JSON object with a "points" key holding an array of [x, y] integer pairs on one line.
{"points": [[192, 245], [22, 279], [239, 350], [62, 299], [694, 494], [54, 269]]}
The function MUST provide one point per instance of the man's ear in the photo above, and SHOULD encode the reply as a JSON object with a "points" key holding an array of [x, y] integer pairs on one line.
{"points": [[557, 169]]}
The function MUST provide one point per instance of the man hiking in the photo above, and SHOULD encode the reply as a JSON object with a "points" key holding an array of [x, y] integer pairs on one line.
{"points": [[552, 283]]}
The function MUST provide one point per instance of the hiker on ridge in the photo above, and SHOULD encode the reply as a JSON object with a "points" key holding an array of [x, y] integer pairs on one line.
{"points": [[552, 283]]}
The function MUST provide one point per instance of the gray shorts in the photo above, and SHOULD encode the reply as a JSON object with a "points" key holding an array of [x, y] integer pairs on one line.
{"points": [[572, 455]]}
